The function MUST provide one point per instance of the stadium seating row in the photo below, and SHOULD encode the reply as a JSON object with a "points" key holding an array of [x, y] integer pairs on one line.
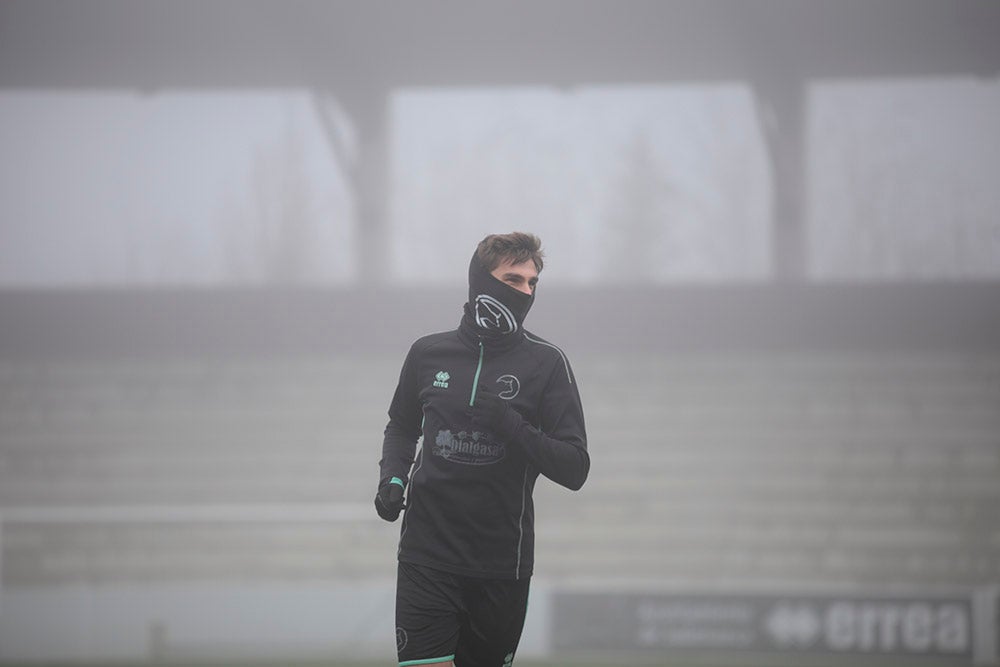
{"points": [[837, 468]]}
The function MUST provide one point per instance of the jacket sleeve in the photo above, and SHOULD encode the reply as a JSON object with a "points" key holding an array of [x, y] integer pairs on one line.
{"points": [[404, 428], [558, 446]]}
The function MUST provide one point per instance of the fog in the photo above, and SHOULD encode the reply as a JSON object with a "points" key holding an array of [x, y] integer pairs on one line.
{"points": [[625, 184], [772, 259]]}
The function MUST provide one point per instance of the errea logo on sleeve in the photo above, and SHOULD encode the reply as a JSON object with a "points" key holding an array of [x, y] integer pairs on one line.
{"points": [[441, 379]]}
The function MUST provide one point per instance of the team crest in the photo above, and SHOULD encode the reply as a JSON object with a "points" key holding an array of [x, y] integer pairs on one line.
{"points": [[510, 386]]}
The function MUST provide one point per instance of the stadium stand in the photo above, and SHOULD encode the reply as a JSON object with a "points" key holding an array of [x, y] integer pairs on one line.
{"points": [[839, 468]]}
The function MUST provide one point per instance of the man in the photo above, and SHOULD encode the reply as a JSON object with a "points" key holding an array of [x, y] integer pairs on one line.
{"points": [[496, 406]]}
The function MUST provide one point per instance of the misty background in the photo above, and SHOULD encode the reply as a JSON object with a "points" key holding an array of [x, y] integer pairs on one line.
{"points": [[625, 183], [772, 256]]}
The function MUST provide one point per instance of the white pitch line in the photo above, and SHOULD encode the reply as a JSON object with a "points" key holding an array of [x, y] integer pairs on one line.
{"points": [[230, 513]]}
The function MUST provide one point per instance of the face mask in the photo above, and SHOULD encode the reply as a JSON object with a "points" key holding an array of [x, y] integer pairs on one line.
{"points": [[496, 308]]}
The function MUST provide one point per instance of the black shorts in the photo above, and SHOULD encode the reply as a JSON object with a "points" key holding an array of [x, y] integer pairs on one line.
{"points": [[442, 616]]}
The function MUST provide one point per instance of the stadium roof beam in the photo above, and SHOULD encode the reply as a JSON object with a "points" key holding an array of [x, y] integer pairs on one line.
{"points": [[145, 45]]}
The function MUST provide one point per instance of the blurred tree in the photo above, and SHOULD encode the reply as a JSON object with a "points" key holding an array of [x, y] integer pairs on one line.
{"points": [[638, 236], [273, 239]]}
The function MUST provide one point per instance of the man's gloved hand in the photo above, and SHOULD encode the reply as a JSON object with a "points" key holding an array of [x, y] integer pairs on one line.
{"points": [[389, 499], [493, 413]]}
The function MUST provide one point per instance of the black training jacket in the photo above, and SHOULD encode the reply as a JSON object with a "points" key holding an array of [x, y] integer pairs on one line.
{"points": [[469, 506]]}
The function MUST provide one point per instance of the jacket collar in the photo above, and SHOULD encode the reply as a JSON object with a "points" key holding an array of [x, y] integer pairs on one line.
{"points": [[472, 335]]}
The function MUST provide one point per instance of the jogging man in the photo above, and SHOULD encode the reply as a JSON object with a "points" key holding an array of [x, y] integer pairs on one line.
{"points": [[496, 406]]}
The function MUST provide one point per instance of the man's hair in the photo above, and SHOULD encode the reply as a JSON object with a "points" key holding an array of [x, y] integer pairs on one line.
{"points": [[515, 247]]}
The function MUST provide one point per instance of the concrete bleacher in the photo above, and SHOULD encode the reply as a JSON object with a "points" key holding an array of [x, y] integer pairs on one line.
{"points": [[840, 468], [825, 468]]}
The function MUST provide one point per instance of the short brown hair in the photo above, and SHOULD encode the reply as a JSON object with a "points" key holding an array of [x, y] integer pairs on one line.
{"points": [[515, 247]]}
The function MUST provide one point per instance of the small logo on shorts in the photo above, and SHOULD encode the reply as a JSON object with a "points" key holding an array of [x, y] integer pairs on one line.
{"points": [[508, 660], [441, 379], [400, 639]]}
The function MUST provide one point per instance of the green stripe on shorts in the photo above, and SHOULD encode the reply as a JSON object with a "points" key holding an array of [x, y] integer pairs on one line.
{"points": [[429, 661]]}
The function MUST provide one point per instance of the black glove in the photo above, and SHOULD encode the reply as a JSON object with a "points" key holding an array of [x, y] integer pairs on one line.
{"points": [[493, 413], [389, 499]]}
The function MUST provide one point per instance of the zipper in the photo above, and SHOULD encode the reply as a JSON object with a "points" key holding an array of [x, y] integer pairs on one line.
{"points": [[475, 381]]}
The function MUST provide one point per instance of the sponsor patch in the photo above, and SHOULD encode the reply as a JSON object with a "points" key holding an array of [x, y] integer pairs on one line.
{"points": [[468, 448]]}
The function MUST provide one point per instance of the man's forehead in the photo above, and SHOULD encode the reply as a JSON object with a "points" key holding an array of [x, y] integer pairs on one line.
{"points": [[509, 266]]}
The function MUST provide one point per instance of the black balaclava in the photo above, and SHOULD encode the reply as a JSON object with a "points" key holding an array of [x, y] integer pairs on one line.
{"points": [[495, 309]]}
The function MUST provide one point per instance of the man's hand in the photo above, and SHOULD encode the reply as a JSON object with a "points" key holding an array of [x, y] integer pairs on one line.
{"points": [[493, 413], [389, 499]]}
